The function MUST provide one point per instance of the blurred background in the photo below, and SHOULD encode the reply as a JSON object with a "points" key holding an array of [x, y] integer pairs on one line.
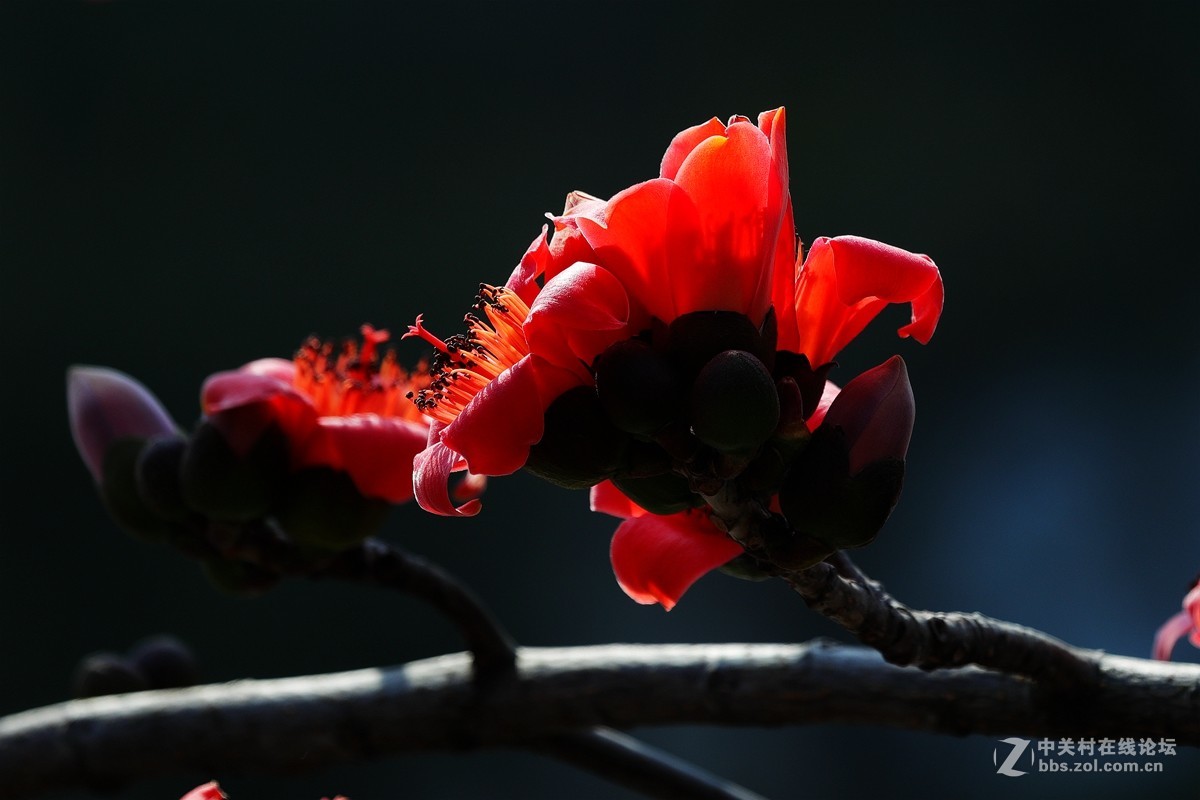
{"points": [[189, 186]]}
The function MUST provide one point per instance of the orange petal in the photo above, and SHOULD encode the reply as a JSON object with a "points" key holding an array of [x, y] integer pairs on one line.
{"points": [[733, 182], [685, 142]]}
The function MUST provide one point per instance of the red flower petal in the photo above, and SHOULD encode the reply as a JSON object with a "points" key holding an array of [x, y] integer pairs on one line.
{"points": [[606, 498], [733, 181], [431, 476], [496, 429], [377, 452], [578, 313], [685, 142], [649, 239], [656, 559], [827, 397], [209, 791], [846, 281], [242, 404]]}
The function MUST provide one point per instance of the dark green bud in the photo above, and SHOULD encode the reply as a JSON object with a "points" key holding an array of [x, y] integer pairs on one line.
{"points": [[224, 486], [156, 473], [667, 493], [734, 406], [693, 339], [638, 388], [821, 501], [118, 487], [322, 508], [580, 446]]}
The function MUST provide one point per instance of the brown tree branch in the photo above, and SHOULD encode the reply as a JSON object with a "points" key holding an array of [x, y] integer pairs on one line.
{"points": [[293, 724], [933, 640]]}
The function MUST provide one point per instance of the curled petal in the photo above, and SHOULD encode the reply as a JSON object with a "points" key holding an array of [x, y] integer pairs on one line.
{"points": [[656, 559], [431, 476], [496, 429], [845, 282], [606, 498], [377, 452], [578, 313], [1171, 632], [104, 405]]}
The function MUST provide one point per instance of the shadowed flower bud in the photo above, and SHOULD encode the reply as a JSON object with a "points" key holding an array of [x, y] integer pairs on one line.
{"points": [[166, 662], [156, 476], [107, 673], [668, 493], [843, 486], [694, 339], [224, 484], [321, 508], [638, 388], [734, 405], [876, 412], [580, 446], [106, 406]]}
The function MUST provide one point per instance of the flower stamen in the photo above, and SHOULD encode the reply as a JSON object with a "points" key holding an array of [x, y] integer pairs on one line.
{"points": [[344, 380], [465, 363]]}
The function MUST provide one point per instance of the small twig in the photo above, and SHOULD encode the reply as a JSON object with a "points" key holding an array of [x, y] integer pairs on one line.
{"points": [[638, 766], [934, 640], [387, 566]]}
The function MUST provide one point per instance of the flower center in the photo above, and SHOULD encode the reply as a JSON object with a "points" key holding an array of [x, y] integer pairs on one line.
{"points": [[466, 362], [342, 380]]}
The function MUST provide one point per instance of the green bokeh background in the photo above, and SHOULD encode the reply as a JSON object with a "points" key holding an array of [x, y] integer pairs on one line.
{"points": [[189, 186]]}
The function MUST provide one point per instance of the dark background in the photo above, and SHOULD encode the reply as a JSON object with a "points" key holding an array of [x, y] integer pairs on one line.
{"points": [[189, 186]]}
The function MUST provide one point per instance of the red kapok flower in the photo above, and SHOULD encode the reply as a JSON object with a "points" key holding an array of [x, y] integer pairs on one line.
{"points": [[208, 791], [1185, 623], [677, 323], [339, 408]]}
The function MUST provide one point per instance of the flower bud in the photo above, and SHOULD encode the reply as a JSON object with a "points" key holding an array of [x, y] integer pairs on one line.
{"points": [[156, 476], [876, 412], [119, 490], [322, 508], [693, 339], [580, 446], [223, 485], [107, 673], [663, 494], [105, 406], [166, 662], [842, 487], [638, 388], [734, 405]]}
